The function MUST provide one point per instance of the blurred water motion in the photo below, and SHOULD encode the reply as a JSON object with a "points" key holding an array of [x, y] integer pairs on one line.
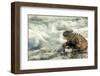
{"points": [[46, 39]]}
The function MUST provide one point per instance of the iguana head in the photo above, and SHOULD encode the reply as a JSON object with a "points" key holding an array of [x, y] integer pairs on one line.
{"points": [[67, 33]]}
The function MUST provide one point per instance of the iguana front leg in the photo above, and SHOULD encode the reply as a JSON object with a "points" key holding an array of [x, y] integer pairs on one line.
{"points": [[65, 45]]}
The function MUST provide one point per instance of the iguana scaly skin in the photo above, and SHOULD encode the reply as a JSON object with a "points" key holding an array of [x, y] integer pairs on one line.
{"points": [[75, 41]]}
